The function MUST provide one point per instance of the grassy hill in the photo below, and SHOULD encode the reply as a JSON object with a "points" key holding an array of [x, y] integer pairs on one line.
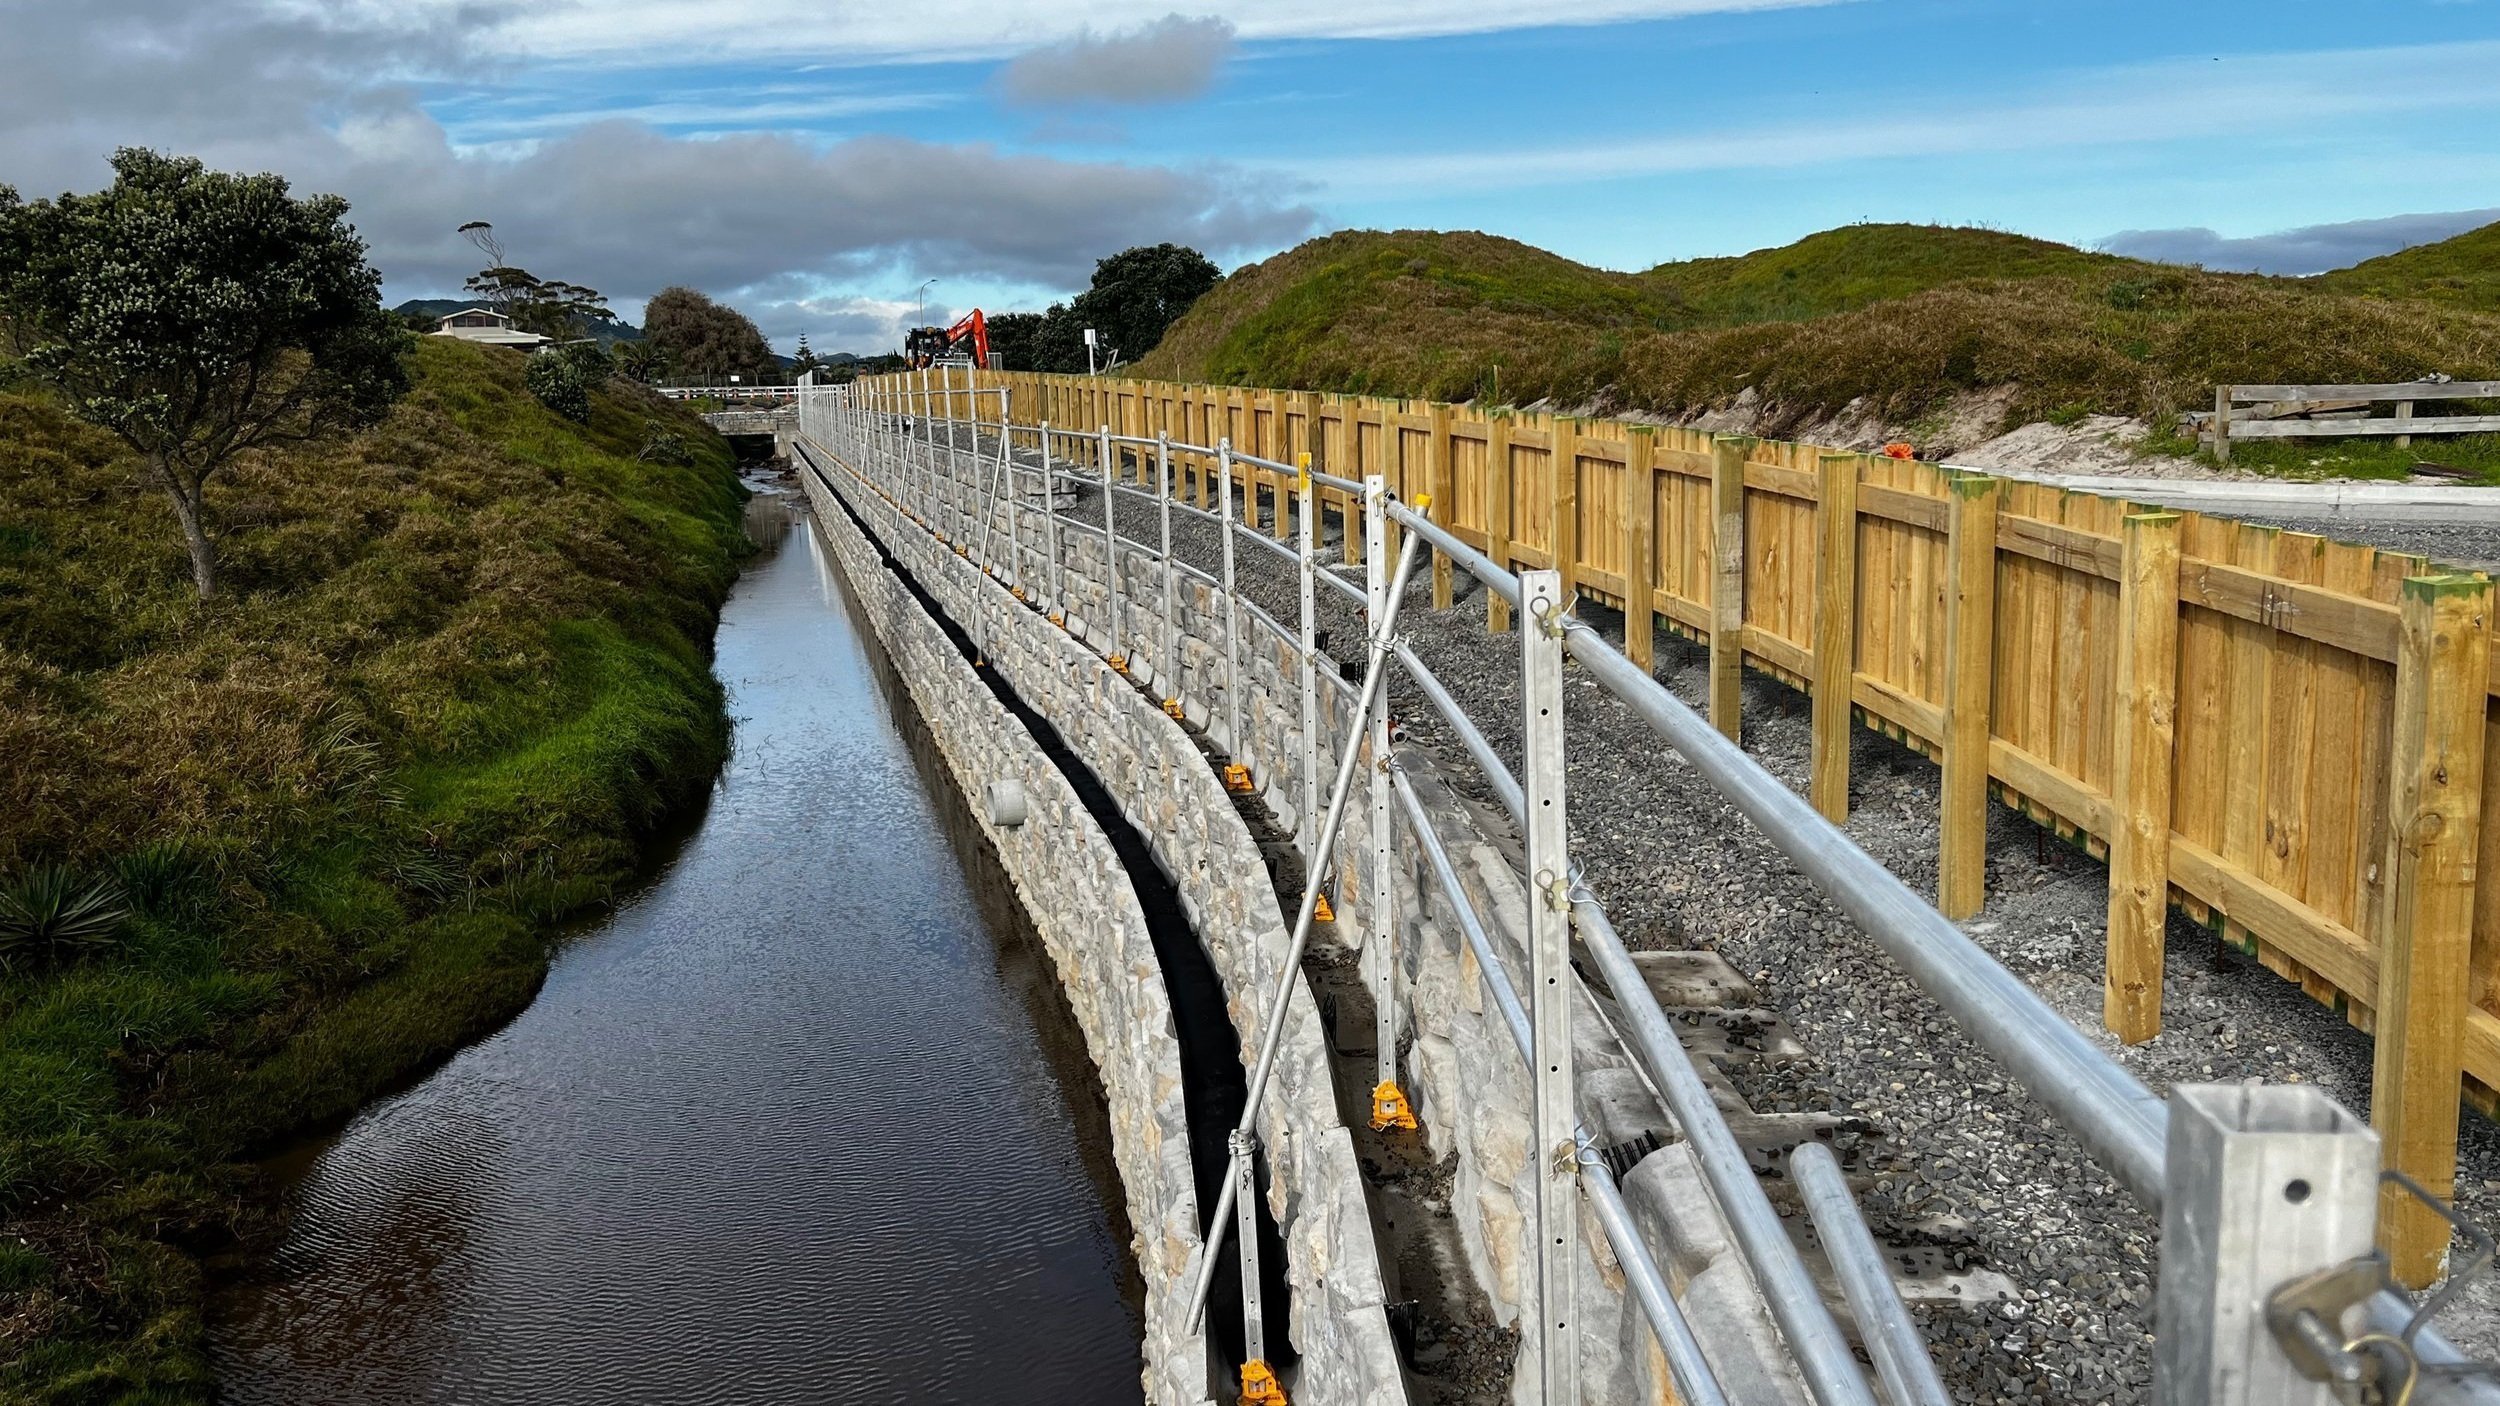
{"points": [[461, 675], [2463, 272], [1897, 321]]}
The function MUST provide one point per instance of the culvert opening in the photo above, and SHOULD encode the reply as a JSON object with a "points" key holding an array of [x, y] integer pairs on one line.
{"points": [[1214, 1086]]}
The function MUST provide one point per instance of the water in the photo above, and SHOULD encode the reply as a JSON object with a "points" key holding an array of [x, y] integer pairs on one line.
{"points": [[807, 1121]]}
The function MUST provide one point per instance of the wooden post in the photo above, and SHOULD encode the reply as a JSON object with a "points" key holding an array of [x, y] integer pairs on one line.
{"points": [[1279, 448], [1835, 631], [1727, 584], [1497, 515], [2222, 424], [2141, 745], [1969, 650], [1441, 472], [1640, 546], [1562, 531], [2404, 412], [2443, 653]]}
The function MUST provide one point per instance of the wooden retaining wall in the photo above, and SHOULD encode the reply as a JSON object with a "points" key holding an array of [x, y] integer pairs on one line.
{"points": [[2280, 735]]}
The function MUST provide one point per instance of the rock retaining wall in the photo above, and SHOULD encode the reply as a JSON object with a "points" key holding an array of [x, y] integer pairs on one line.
{"points": [[1164, 787], [1463, 1068]]}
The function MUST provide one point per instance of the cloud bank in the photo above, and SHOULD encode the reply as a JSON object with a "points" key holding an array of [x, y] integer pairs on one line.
{"points": [[2308, 249], [329, 101], [1168, 60]]}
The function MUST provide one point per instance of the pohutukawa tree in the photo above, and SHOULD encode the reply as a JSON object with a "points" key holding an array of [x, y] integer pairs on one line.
{"points": [[198, 315]]}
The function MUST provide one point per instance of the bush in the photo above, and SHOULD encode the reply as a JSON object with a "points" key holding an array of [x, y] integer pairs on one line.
{"points": [[557, 382], [51, 912]]}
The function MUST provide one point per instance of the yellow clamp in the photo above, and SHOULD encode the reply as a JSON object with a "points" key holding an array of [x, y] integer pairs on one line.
{"points": [[1172, 709], [1259, 1386], [1389, 1107], [1059, 620], [1237, 779], [1423, 502], [1321, 912], [1119, 662]]}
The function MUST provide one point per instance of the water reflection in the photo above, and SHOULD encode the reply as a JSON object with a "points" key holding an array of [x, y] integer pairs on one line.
{"points": [[794, 1126]]}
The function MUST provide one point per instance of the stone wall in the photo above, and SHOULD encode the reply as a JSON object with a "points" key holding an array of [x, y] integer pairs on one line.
{"points": [[1071, 883], [1464, 1071], [1165, 788]]}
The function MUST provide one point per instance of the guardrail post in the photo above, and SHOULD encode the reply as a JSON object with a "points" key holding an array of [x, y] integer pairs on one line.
{"points": [[1554, 1156], [2142, 738], [1727, 585], [2222, 424], [1497, 515], [2263, 1185], [1640, 547], [1835, 632], [1969, 649], [1233, 742], [2426, 946]]}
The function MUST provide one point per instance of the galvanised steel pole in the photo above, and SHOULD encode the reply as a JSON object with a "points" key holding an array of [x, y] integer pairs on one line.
{"points": [[1554, 1157], [1374, 682], [1167, 657], [1112, 645], [1306, 817], [1233, 742], [1057, 606], [1390, 1108], [1884, 1323]]}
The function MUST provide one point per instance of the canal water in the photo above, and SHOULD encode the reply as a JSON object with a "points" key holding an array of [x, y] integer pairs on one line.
{"points": [[806, 1121]]}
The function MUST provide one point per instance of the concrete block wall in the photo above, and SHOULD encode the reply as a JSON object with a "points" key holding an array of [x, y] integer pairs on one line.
{"points": [[1163, 785]]}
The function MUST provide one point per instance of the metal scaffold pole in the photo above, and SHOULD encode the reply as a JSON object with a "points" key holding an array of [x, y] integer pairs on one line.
{"points": [[1390, 1108], [1232, 607], [1111, 644], [1306, 820], [1556, 1151], [1167, 656], [1058, 602], [1375, 676]]}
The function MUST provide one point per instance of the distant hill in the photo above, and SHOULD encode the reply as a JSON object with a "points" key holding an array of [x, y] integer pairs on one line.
{"points": [[2461, 272], [1903, 323]]}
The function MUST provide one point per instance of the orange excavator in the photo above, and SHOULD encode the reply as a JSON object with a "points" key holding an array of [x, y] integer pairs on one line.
{"points": [[968, 341]]}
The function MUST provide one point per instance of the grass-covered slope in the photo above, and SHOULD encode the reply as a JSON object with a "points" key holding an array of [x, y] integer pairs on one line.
{"points": [[2462, 272], [1900, 321], [462, 675]]}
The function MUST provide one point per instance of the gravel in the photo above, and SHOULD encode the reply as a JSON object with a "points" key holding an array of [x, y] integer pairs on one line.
{"points": [[1965, 1159]]}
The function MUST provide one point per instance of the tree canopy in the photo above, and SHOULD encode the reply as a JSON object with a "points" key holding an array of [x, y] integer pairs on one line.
{"points": [[1135, 296], [703, 339], [198, 314]]}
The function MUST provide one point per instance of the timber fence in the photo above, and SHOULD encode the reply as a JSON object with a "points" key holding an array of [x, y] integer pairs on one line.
{"points": [[2280, 735]]}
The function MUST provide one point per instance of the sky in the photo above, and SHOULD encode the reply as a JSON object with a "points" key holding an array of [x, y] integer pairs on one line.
{"points": [[817, 163]]}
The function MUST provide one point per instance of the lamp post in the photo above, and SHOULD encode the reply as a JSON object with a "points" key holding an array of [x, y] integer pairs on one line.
{"points": [[924, 303]]}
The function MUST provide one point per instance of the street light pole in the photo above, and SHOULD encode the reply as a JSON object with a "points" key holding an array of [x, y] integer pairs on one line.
{"points": [[924, 303]]}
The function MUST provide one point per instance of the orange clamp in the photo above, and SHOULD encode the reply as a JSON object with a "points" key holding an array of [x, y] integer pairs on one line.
{"points": [[1321, 912], [1172, 709], [1237, 779], [1259, 1386], [1389, 1107]]}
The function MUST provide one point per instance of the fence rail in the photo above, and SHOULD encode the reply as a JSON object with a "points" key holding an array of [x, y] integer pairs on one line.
{"points": [[2278, 735], [2296, 412]]}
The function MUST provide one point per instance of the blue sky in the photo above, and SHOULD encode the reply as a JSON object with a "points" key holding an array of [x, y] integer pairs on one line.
{"points": [[817, 164]]}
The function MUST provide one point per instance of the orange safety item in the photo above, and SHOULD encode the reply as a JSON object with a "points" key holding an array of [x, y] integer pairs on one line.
{"points": [[1172, 709], [1389, 1107], [1899, 450], [1120, 662], [1059, 620], [1321, 912], [1237, 779], [1259, 1386]]}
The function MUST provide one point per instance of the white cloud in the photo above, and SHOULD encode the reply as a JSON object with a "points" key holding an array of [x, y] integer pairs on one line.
{"points": [[1166, 60], [2259, 97], [932, 30]]}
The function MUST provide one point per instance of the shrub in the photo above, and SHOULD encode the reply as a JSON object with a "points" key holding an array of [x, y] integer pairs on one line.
{"points": [[558, 384]]}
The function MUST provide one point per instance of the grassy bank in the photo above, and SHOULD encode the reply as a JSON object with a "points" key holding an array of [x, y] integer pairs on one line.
{"points": [[1901, 322], [462, 676]]}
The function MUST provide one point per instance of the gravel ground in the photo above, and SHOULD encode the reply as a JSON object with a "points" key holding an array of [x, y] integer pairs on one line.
{"points": [[2474, 547], [1967, 1159]]}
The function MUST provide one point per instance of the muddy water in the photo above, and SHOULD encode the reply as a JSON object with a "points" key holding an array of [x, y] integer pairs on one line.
{"points": [[805, 1122]]}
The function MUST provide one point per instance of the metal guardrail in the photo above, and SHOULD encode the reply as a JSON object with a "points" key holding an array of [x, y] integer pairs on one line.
{"points": [[2211, 1291]]}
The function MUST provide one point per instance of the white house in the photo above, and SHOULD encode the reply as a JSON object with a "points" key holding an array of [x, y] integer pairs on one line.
{"points": [[488, 326]]}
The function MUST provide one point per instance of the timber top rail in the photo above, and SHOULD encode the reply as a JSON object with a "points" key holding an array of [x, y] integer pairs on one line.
{"points": [[2315, 412]]}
